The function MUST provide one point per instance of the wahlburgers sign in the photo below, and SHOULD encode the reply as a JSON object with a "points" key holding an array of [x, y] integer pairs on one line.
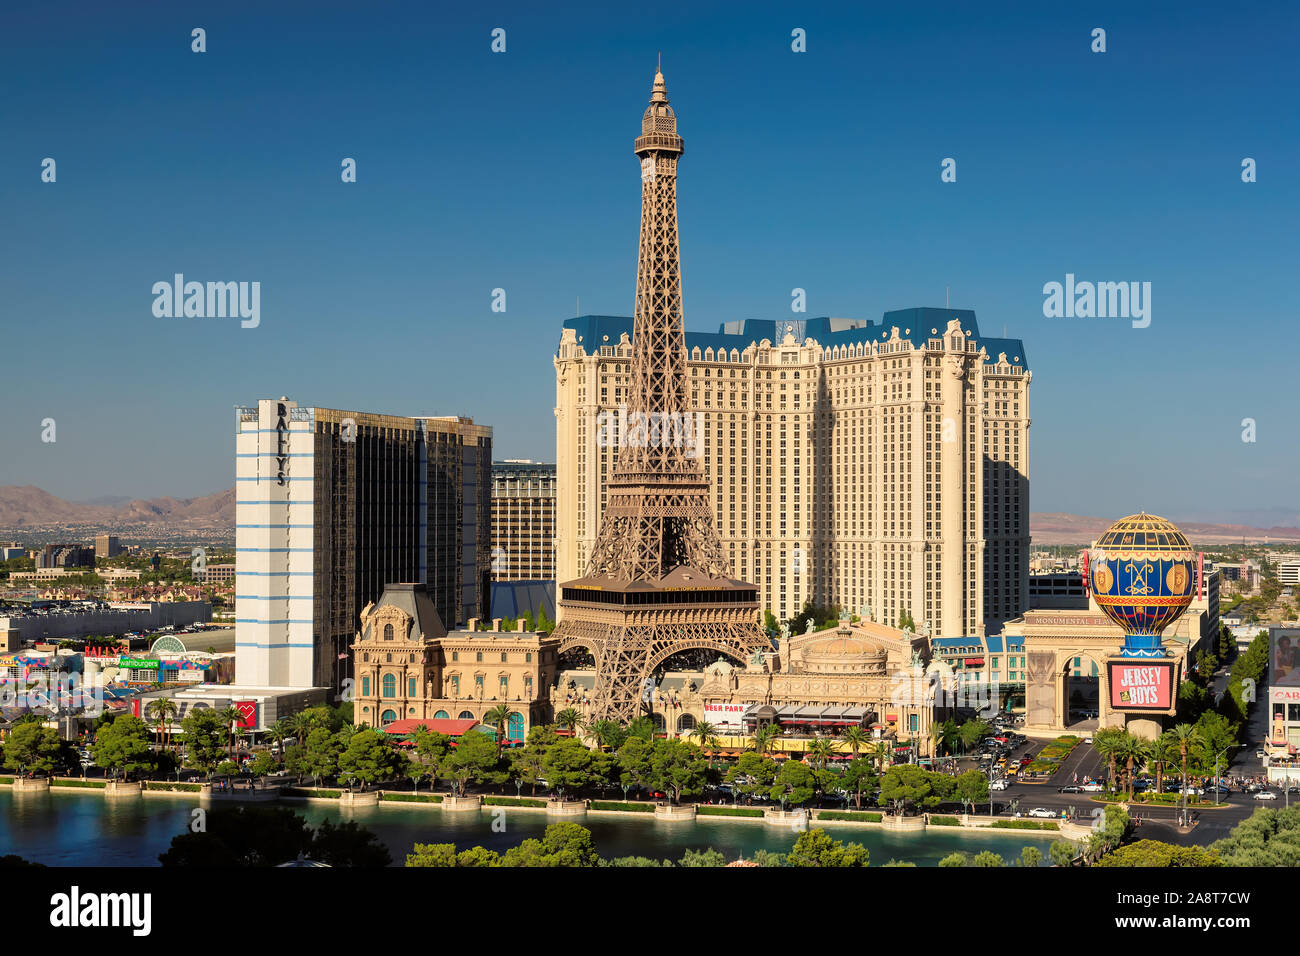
{"points": [[138, 663]]}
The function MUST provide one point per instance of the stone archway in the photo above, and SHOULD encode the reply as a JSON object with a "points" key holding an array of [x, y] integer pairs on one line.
{"points": [[1080, 689]]}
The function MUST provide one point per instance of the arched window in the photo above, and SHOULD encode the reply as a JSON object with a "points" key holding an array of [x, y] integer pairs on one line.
{"points": [[515, 727], [387, 717], [685, 722], [441, 715], [388, 632], [390, 685], [658, 721], [465, 715]]}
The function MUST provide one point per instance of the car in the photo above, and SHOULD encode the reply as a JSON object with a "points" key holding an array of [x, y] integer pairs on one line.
{"points": [[1265, 795], [999, 784], [1025, 760], [1072, 788], [1092, 786], [1261, 753], [1042, 812], [1220, 789], [1087, 740], [1192, 791]]}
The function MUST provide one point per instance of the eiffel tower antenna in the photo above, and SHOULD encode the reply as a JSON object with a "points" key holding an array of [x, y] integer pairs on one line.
{"points": [[658, 581]]}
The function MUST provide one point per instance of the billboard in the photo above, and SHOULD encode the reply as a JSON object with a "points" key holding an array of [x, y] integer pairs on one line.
{"points": [[725, 716], [1284, 660], [1137, 684], [248, 708]]}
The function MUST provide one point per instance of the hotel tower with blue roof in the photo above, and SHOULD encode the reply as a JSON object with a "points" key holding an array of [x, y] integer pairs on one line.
{"points": [[878, 466]]}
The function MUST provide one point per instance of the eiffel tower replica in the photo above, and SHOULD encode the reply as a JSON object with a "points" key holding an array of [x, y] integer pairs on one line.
{"points": [[658, 581]]}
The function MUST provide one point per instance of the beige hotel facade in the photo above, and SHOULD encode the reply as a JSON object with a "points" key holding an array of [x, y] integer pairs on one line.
{"points": [[866, 465]]}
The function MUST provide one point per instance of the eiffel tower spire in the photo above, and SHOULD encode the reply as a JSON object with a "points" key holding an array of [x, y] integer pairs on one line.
{"points": [[658, 514], [658, 581]]}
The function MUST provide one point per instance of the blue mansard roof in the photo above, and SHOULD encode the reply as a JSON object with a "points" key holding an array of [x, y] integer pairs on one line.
{"points": [[915, 325]]}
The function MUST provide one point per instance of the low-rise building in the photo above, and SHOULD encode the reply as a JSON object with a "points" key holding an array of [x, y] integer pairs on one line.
{"points": [[409, 666]]}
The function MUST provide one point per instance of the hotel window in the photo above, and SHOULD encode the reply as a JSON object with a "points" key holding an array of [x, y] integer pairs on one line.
{"points": [[478, 655], [503, 657], [455, 655], [390, 685], [388, 632], [365, 687], [410, 687]]}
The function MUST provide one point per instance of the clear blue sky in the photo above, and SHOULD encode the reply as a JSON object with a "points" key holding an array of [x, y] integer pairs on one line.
{"points": [[479, 170]]}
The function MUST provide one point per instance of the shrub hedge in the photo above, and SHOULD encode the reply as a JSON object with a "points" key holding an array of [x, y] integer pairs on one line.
{"points": [[717, 811], [628, 807]]}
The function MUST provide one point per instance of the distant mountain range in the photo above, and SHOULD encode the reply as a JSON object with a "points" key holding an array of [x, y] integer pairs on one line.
{"points": [[1058, 528], [28, 507]]}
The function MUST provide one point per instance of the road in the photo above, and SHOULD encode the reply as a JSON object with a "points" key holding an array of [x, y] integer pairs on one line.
{"points": [[1157, 822]]}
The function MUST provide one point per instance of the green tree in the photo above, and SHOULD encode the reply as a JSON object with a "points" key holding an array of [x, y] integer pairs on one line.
{"points": [[320, 754], [859, 777], [987, 858], [752, 774], [370, 757], [563, 844], [1265, 838], [496, 718], [568, 766], [1153, 853], [903, 785], [31, 747], [474, 758], [857, 739], [820, 750], [1062, 852], [763, 736], [795, 784], [816, 847], [705, 734], [123, 747], [203, 734], [569, 718], [678, 768], [347, 844], [708, 857], [1107, 742], [242, 836], [1031, 856]]}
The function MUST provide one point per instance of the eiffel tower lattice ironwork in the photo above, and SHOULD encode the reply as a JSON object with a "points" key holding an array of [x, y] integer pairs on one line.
{"points": [[658, 580]]}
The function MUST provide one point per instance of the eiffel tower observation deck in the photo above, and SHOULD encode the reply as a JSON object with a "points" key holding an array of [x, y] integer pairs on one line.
{"points": [[658, 582]]}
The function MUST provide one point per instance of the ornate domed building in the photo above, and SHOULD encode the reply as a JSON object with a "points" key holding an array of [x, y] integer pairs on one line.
{"points": [[1142, 572]]}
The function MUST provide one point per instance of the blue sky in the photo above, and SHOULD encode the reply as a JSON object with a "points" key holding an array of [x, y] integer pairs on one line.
{"points": [[477, 170]]}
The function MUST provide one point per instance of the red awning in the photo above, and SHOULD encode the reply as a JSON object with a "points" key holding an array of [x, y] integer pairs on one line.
{"points": [[973, 662]]}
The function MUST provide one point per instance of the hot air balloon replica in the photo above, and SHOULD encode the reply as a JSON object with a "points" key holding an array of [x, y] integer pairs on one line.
{"points": [[1143, 572]]}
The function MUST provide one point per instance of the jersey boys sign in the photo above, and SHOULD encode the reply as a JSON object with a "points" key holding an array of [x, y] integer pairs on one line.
{"points": [[1141, 685]]}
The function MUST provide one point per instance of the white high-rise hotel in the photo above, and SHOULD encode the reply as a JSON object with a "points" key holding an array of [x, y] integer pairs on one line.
{"points": [[852, 463]]}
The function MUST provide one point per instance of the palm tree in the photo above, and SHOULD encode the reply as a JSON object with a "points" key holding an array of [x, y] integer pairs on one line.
{"points": [[820, 749], [161, 711], [1130, 750], [1185, 735], [1107, 743], [568, 719], [1164, 754], [231, 717], [497, 718], [300, 725], [880, 754], [857, 738], [763, 737], [278, 734], [706, 733]]}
